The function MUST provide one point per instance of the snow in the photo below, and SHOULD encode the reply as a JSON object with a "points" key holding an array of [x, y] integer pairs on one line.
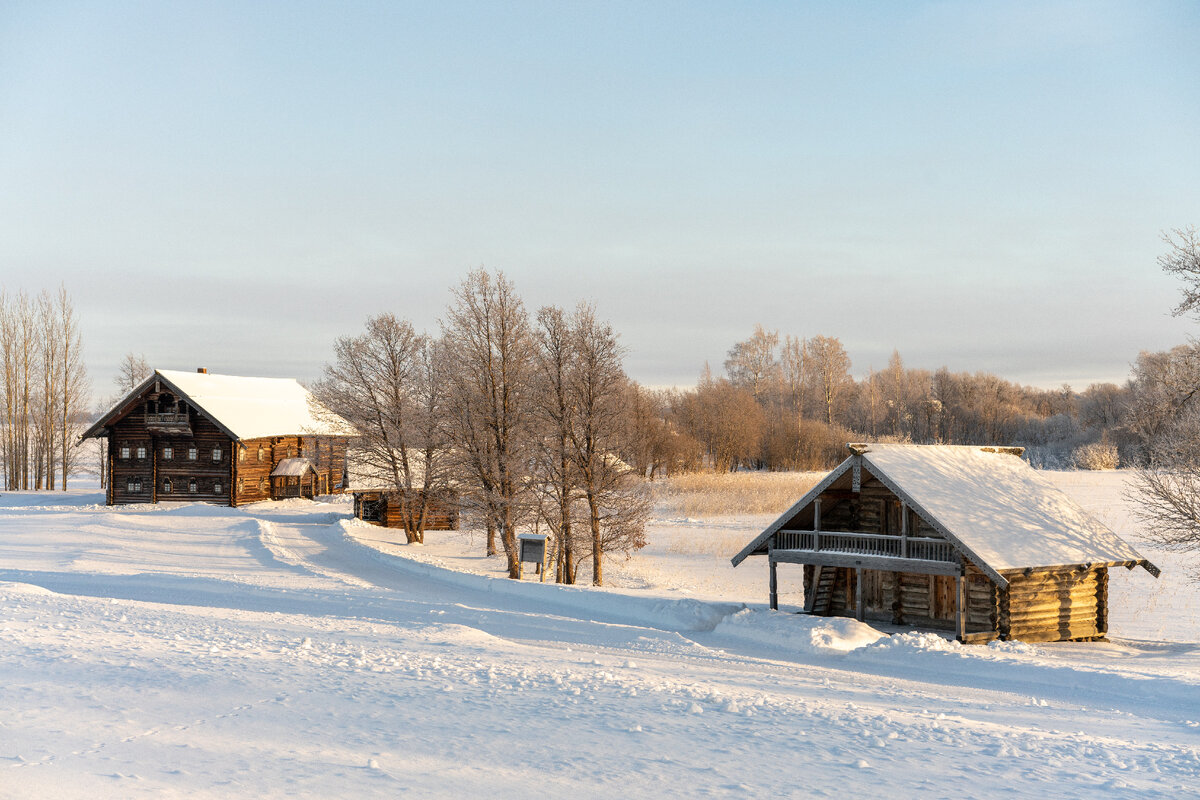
{"points": [[285, 649], [998, 506], [253, 408], [1005, 514]]}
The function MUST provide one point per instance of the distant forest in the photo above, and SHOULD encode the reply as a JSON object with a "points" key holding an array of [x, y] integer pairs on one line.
{"points": [[791, 403]]}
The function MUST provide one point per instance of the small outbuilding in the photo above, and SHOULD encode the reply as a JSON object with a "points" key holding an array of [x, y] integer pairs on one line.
{"points": [[970, 539], [377, 500]]}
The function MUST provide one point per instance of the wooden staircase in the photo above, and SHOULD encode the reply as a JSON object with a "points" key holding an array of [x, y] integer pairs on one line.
{"points": [[821, 598]]}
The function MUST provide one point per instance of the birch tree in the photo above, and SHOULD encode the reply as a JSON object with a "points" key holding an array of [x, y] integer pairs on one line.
{"points": [[617, 503], [489, 349]]}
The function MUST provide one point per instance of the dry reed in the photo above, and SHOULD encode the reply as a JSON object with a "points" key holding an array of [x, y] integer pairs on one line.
{"points": [[702, 494]]}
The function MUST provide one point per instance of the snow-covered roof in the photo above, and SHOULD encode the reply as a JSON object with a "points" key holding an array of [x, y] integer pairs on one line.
{"points": [[246, 408], [293, 468], [1000, 512]]}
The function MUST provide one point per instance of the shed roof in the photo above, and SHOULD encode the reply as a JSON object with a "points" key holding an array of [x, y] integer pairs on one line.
{"points": [[988, 501], [245, 408], [293, 468]]}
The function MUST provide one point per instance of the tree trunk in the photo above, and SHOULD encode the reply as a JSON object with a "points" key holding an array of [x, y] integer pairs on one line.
{"points": [[597, 553]]}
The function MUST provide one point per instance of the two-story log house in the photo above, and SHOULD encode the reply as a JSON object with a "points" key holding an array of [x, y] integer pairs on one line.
{"points": [[221, 439]]}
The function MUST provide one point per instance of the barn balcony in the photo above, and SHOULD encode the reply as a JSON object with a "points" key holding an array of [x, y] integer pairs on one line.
{"points": [[871, 550], [169, 423]]}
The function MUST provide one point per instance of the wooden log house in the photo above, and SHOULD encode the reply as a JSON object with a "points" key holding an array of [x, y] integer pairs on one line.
{"points": [[377, 500], [221, 439], [969, 539]]}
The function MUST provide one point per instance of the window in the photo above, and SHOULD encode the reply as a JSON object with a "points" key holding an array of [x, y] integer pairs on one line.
{"points": [[261, 482], [168, 453], [141, 453], [260, 452], [192, 453], [216, 454], [241, 484], [291, 452], [166, 485], [125, 453], [241, 453], [193, 486], [133, 485], [217, 487]]}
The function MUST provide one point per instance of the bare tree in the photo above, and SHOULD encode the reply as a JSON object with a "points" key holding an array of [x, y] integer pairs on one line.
{"points": [[1182, 259], [752, 365], [75, 388], [554, 356], [489, 350], [382, 382], [617, 503], [1166, 490], [831, 365], [133, 370]]}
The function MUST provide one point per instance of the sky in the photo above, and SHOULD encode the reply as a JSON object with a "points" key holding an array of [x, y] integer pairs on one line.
{"points": [[976, 185]]}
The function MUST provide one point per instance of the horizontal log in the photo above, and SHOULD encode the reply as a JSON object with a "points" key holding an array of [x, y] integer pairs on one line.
{"points": [[1055, 634], [1047, 578], [1069, 601]]}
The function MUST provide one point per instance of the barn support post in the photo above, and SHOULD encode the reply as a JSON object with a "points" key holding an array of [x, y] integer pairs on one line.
{"points": [[773, 598], [903, 529], [817, 524], [858, 594], [960, 610]]}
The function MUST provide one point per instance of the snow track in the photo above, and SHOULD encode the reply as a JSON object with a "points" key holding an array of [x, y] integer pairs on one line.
{"points": [[274, 651]]}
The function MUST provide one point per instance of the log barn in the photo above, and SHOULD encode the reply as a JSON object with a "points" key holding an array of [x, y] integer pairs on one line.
{"points": [[377, 500], [221, 439], [968, 539]]}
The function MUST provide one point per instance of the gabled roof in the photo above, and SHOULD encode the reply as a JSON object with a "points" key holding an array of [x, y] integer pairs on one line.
{"points": [[245, 408], [992, 505]]}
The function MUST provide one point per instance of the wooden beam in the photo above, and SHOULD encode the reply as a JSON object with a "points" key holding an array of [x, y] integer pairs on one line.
{"points": [[774, 588], [858, 594], [960, 606], [884, 563]]}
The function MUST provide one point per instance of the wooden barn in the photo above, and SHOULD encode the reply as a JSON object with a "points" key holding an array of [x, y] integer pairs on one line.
{"points": [[377, 500], [221, 439], [969, 539]]}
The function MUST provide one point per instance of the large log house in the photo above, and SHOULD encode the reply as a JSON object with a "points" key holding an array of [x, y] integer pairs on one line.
{"points": [[221, 439], [969, 539]]}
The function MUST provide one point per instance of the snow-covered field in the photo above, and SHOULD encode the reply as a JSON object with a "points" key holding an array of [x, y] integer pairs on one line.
{"points": [[286, 650]]}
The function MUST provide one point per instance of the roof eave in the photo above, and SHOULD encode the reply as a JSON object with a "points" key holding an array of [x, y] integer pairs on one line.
{"points": [[813, 493]]}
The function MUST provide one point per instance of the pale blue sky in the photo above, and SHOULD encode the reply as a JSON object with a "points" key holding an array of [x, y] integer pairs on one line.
{"points": [[980, 185]]}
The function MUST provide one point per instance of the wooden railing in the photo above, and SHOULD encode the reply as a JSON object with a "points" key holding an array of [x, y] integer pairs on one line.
{"points": [[866, 544], [166, 419]]}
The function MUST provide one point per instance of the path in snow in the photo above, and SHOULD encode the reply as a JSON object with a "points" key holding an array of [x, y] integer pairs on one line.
{"points": [[198, 651]]}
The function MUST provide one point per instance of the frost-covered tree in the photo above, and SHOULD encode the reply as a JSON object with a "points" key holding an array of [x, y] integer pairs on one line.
{"points": [[752, 364], [384, 382], [1182, 259], [489, 348]]}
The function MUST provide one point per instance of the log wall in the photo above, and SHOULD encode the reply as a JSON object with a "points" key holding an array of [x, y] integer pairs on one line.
{"points": [[442, 514], [210, 478], [1055, 606]]}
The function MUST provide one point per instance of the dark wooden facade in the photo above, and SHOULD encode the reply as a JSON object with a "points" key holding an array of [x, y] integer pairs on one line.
{"points": [[163, 448], [389, 508]]}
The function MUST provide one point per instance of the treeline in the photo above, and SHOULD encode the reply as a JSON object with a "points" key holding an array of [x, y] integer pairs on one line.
{"points": [[792, 403], [524, 419], [43, 390]]}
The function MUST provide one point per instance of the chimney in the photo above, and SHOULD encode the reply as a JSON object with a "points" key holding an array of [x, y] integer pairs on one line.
{"points": [[202, 370]]}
